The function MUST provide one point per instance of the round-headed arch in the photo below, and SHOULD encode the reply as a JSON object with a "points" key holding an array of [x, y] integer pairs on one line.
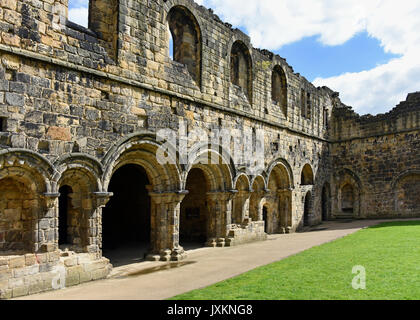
{"points": [[27, 166], [187, 40], [142, 150], [280, 175], [279, 88], [78, 169], [218, 167], [242, 182], [241, 73], [307, 175]]}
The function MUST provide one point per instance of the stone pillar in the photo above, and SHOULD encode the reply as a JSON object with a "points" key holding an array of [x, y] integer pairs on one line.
{"points": [[241, 206], [165, 211], [220, 217], [46, 235], [100, 200], [284, 197]]}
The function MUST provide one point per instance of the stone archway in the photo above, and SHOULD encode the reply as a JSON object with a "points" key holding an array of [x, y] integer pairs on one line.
{"points": [[126, 220], [241, 200], [159, 184], [406, 194], [216, 173], [18, 216], [77, 221], [27, 206], [280, 197], [194, 215], [257, 195], [347, 198]]}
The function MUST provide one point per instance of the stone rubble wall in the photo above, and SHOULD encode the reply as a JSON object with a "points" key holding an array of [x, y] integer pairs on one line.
{"points": [[377, 153], [34, 273]]}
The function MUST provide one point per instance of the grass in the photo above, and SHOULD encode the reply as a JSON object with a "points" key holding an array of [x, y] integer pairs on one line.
{"points": [[389, 252]]}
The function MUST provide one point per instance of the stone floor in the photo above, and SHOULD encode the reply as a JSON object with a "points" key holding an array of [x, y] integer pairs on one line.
{"points": [[204, 266]]}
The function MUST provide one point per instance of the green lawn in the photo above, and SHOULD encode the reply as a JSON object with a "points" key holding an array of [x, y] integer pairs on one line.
{"points": [[390, 253]]}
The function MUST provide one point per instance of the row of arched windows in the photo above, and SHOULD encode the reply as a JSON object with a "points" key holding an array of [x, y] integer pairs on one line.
{"points": [[186, 47]]}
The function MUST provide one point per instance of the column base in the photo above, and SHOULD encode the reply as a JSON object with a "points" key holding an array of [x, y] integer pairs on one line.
{"points": [[212, 243], [168, 255], [178, 254], [216, 242]]}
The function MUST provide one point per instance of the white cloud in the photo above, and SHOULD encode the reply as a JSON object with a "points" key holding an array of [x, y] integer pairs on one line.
{"points": [[274, 23], [79, 16], [78, 4]]}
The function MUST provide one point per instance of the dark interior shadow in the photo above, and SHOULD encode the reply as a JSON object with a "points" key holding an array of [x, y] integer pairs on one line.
{"points": [[129, 254], [192, 245]]}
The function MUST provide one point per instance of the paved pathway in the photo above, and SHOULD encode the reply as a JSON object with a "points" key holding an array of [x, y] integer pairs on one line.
{"points": [[202, 268]]}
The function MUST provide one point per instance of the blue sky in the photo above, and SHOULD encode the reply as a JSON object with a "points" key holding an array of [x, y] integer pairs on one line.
{"points": [[313, 59], [366, 50]]}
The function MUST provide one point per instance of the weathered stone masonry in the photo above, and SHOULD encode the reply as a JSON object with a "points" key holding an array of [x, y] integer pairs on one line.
{"points": [[79, 112]]}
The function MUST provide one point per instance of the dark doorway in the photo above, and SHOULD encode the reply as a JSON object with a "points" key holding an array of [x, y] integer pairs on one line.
{"points": [[194, 212], [64, 203], [265, 218], [126, 218], [325, 200]]}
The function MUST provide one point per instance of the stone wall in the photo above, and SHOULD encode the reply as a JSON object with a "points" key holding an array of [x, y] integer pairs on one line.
{"points": [[379, 157]]}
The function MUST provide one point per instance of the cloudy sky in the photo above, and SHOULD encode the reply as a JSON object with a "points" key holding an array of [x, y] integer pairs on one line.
{"points": [[368, 50]]}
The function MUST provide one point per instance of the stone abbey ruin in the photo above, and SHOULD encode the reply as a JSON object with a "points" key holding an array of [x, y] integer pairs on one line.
{"points": [[80, 109]]}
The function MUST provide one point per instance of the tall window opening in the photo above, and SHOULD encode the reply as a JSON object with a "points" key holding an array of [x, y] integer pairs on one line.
{"points": [[186, 40], [64, 204], [279, 88], [241, 68]]}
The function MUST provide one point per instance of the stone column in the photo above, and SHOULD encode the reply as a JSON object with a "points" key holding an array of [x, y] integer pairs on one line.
{"points": [[284, 196], [220, 217], [100, 200], [241, 200], [165, 211], [46, 236]]}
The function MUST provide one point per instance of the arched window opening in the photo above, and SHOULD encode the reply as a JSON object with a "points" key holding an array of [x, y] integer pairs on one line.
{"points": [[302, 103], [308, 106], [307, 176], [279, 88], [241, 68], [186, 40]]}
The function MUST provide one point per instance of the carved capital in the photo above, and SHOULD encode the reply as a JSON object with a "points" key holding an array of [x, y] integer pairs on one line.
{"points": [[102, 198], [168, 197], [50, 199]]}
